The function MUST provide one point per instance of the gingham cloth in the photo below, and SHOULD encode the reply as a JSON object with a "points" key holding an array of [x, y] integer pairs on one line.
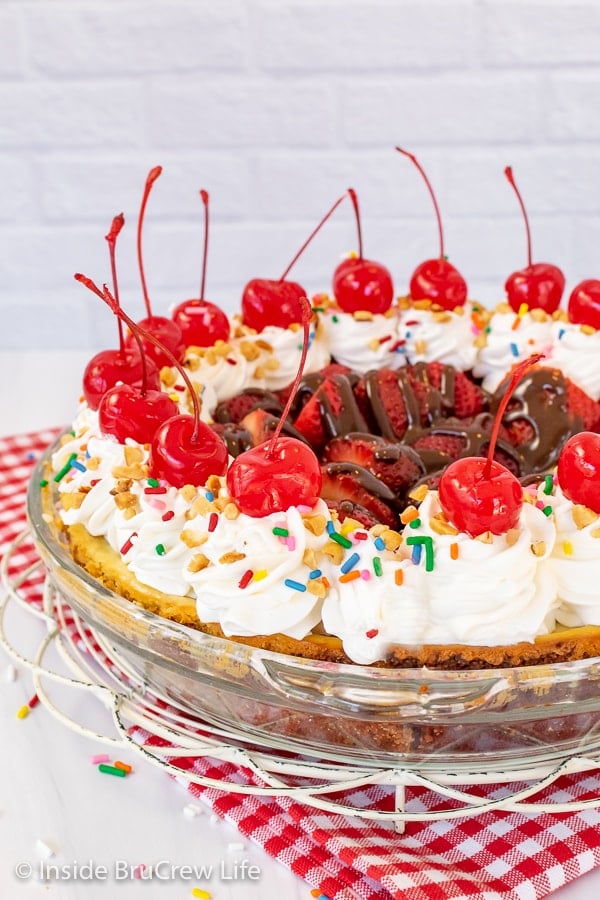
{"points": [[494, 855]]}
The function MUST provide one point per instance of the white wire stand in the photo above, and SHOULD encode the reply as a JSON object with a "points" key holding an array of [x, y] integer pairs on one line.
{"points": [[73, 655]]}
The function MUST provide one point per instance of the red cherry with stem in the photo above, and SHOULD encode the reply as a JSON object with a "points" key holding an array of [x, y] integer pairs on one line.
{"points": [[184, 450], [282, 471], [578, 470], [478, 494], [202, 323], [584, 303], [359, 283], [108, 367], [128, 411], [166, 330], [269, 302], [539, 285], [436, 279]]}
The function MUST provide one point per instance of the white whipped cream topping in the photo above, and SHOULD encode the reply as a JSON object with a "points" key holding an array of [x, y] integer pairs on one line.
{"points": [[225, 374], [507, 345], [268, 603], [286, 345], [576, 353], [371, 616], [575, 562], [439, 336], [154, 550], [491, 593], [363, 344]]}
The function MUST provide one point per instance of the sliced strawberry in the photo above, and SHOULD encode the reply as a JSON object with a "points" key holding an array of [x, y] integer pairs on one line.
{"points": [[396, 465], [235, 436], [447, 445], [331, 410], [347, 509], [235, 408], [346, 481], [260, 425], [382, 392], [468, 398], [327, 371], [582, 405], [520, 431], [309, 422]]}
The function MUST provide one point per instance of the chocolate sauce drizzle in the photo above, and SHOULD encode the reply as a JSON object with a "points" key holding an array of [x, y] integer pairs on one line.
{"points": [[541, 399]]}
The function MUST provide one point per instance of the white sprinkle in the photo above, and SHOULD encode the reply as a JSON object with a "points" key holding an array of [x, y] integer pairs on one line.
{"points": [[214, 819], [10, 673], [192, 810], [44, 850], [234, 847]]}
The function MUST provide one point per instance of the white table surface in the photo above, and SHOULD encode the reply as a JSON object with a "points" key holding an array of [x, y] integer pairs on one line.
{"points": [[51, 795]]}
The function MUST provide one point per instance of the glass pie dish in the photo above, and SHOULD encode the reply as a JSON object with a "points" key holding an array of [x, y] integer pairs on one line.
{"points": [[428, 720]]}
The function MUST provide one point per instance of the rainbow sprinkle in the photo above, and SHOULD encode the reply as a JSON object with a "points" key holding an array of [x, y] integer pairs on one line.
{"points": [[350, 563], [66, 468], [340, 539], [246, 578], [295, 585], [349, 576], [417, 544]]}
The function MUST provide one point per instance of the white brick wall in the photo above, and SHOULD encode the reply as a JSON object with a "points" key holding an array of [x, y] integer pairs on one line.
{"points": [[276, 107]]}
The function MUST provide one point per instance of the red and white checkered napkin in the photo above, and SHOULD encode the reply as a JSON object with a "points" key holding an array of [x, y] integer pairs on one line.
{"points": [[495, 855]]}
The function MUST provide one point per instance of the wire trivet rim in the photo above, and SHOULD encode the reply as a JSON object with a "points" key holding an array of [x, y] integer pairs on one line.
{"points": [[133, 705]]}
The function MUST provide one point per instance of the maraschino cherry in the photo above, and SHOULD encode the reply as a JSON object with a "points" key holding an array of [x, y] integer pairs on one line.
{"points": [[578, 470], [202, 323], [126, 410], [538, 285], [166, 330], [584, 303], [479, 494], [436, 279], [282, 471], [359, 283], [269, 302], [108, 367], [183, 449]]}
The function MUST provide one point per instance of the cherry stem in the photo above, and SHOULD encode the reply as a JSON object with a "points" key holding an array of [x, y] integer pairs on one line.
{"points": [[518, 372], [153, 174], [138, 332], [306, 320], [116, 309], [354, 198], [111, 238], [509, 174], [312, 235], [204, 196], [416, 162]]}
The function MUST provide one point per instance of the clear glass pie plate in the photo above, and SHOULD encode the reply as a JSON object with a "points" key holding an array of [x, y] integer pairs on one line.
{"points": [[428, 720]]}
